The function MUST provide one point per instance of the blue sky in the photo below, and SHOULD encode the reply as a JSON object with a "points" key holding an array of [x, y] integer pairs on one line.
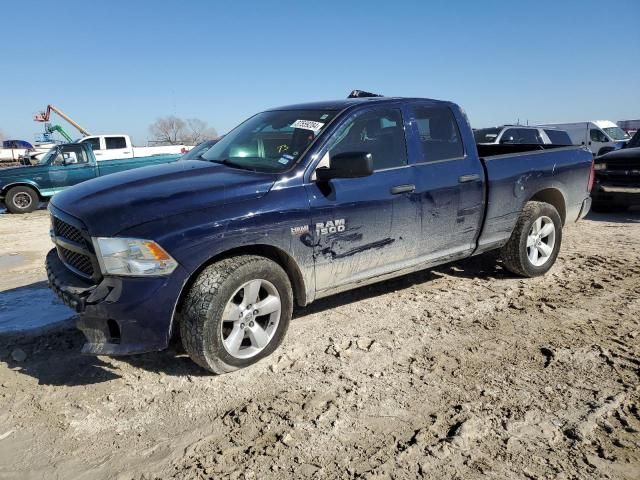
{"points": [[115, 66]]}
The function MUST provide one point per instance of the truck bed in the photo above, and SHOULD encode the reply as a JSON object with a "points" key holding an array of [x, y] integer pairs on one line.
{"points": [[491, 150], [516, 172]]}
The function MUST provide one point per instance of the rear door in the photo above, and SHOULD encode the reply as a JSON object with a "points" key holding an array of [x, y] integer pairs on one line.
{"points": [[364, 227], [449, 182], [117, 148]]}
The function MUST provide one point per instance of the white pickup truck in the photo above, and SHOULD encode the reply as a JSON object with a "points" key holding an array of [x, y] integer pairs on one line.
{"points": [[115, 147]]}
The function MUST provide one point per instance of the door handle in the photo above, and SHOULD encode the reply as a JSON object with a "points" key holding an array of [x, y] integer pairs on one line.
{"points": [[468, 178], [408, 188]]}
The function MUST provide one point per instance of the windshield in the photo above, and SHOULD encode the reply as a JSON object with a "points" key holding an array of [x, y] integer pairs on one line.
{"points": [[486, 135], [616, 133], [635, 141], [196, 152], [46, 158], [270, 141]]}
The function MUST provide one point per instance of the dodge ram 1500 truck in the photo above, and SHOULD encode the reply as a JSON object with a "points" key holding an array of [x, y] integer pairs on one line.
{"points": [[23, 188], [295, 204]]}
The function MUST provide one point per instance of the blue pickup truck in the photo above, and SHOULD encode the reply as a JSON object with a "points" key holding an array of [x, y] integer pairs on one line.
{"points": [[23, 188], [295, 204]]}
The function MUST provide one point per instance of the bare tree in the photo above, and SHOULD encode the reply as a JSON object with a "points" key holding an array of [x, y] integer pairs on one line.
{"points": [[168, 130], [176, 131], [199, 131]]}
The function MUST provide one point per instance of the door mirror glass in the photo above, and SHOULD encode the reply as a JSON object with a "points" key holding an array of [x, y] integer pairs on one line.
{"points": [[347, 165]]}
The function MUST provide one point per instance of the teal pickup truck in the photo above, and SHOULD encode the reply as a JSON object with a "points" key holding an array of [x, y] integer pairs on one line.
{"points": [[23, 188]]}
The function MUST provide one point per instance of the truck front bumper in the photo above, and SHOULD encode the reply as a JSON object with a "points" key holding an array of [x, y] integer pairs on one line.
{"points": [[627, 195], [120, 315]]}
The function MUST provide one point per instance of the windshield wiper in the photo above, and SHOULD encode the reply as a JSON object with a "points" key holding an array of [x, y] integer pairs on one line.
{"points": [[230, 163]]}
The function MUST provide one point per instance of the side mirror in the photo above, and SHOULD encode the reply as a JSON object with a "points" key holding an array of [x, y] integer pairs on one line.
{"points": [[347, 165]]}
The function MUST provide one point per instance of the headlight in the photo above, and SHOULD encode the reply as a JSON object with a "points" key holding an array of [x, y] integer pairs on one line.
{"points": [[133, 257], [599, 166]]}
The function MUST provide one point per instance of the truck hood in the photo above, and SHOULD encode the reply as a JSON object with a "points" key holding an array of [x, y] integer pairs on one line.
{"points": [[19, 172], [631, 155], [111, 204]]}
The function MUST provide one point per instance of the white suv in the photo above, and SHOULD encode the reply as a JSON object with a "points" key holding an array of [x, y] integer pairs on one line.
{"points": [[520, 134]]}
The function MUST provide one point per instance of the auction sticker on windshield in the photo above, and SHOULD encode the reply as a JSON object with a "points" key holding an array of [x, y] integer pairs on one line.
{"points": [[308, 125]]}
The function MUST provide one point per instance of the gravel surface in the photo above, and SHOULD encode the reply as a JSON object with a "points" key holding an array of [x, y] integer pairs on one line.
{"points": [[463, 371]]}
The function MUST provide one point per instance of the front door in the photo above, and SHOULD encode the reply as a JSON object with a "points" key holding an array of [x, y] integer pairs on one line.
{"points": [[597, 140], [448, 182], [69, 167], [364, 227]]}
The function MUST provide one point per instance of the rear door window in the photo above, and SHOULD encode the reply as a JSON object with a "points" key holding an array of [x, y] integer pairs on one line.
{"points": [[115, 142], [558, 137], [439, 133], [510, 135], [529, 136]]}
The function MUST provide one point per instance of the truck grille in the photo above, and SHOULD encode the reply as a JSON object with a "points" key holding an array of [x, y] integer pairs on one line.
{"points": [[63, 229], [78, 261], [75, 249], [619, 176]]}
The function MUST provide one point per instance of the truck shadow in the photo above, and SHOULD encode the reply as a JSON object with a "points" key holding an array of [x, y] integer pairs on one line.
{"points": [[630, 216], [54, 358], [485, 266]]}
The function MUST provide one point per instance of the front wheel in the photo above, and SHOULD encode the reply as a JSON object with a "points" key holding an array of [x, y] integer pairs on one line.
{"points": [[21, 199], [535, 242], [236, 313]]}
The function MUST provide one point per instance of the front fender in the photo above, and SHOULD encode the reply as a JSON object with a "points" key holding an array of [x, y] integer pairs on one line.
{"points": [[4, 188], [197, 238]]}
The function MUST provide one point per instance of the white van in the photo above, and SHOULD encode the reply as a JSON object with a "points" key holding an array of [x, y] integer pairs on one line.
{"points": [[600, 136]]}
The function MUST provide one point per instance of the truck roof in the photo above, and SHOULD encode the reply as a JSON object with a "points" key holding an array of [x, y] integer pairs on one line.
{"points": [[348, 102]]}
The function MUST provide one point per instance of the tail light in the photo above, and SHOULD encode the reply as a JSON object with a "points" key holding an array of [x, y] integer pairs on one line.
{"points": [[592, 177]]}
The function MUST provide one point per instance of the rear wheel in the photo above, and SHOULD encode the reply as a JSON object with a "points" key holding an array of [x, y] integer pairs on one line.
{"points": [[21, 199], [535, 242], [236, 313]]}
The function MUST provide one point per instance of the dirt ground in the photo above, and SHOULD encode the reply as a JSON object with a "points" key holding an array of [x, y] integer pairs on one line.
{"points": [[464, 372]]}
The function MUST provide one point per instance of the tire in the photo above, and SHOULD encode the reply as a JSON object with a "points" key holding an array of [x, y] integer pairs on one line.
{"points": [[518, 255], [21, 199], [214, 313]]}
